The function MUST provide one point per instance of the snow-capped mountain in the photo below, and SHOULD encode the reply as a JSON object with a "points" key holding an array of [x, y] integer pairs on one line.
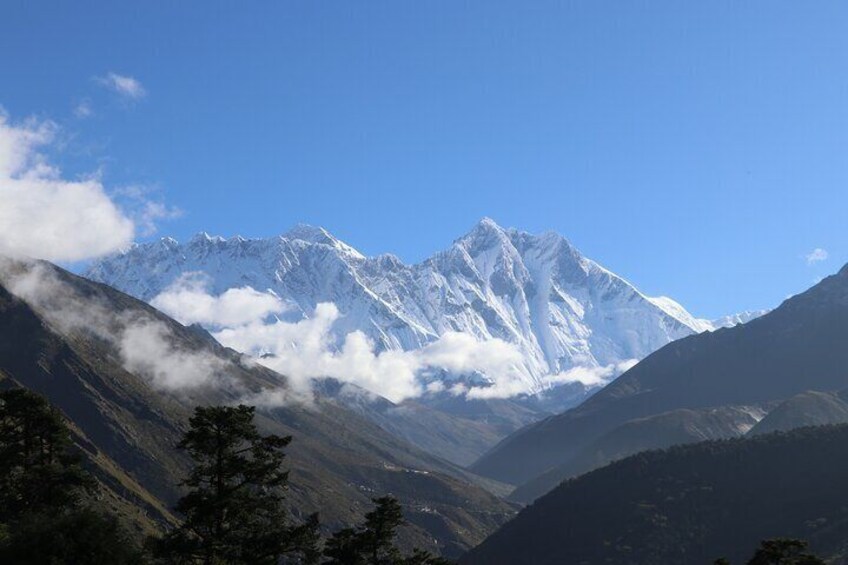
{"points": [[537, 292], [736, 319]]}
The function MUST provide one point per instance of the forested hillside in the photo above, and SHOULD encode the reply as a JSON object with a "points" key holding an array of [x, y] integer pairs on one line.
{"points": [[689, 504]]}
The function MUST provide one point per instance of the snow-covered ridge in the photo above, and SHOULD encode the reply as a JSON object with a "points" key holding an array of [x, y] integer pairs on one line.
{"points": [[560, 309], [736, 319]]}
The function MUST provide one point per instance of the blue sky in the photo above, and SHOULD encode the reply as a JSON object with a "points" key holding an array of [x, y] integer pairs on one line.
{"points": [[696, 148]]}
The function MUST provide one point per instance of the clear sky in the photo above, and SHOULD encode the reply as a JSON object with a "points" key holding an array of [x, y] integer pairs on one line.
{"points": [[699, 149]]}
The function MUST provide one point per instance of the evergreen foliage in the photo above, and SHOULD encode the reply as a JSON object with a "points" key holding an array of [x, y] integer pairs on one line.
{"points": [[780, 551], [374, 542], [233, 512], [690, 504], [784, 551], [38, 470], [44, 517], [70, 537]]}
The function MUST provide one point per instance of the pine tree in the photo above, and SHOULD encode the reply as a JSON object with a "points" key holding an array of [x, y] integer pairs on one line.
{"points": [[784, 551], [421, 557], [80, 536], [42, 487], [345, 548], [373, 542], [234, 510], [38, 469], [381, 526]]}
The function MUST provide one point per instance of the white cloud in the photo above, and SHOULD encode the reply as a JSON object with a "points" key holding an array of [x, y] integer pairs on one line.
{"points": [[83, 109], [301, 350], [591, 376], [817, 255], [145, 345], [126, 86], [460, 353], [151, 212], [306, 349], [144, 209], [146, 350], [309, 348], [46, 216], [187, 301]]}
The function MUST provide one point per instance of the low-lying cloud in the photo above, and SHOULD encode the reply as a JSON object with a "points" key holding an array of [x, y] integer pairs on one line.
{"points": [[188, 302], [247, 320], [590, 376], [146, 345], [146, 349]]}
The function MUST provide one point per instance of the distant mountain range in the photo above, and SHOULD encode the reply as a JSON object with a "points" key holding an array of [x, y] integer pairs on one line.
{"points": [[571, 324], [560, 309]]}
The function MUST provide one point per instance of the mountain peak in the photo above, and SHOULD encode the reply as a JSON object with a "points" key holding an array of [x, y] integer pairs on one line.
{"points": [[487, 226], [316, 234], [488, 223], [204, 237], [309, 233], [484, 232], [168, 242]]}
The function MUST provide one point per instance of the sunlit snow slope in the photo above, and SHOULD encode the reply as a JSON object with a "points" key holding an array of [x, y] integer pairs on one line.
{"points": [[559, 308]]}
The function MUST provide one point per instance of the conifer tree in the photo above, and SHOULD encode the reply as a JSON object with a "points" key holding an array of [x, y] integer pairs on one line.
{"points": [[234, 509], [43, 515], [381, 526], [784, 551], [38, 469], [374, 542]]}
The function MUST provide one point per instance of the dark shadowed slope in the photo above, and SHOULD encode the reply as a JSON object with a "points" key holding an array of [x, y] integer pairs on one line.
{"points": [[338, 459], [688, 505], [654, 432], [810, 408], [799, 346]]}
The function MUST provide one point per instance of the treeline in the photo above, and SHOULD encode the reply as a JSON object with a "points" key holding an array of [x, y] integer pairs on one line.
{"points": [[232, 512]]}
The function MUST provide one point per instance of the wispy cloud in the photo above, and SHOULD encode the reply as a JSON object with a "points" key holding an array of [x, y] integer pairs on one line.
{"points": [[146, 346], [127, 86], [83, 109], [146, 207], [591, 376], [817, 255]]}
